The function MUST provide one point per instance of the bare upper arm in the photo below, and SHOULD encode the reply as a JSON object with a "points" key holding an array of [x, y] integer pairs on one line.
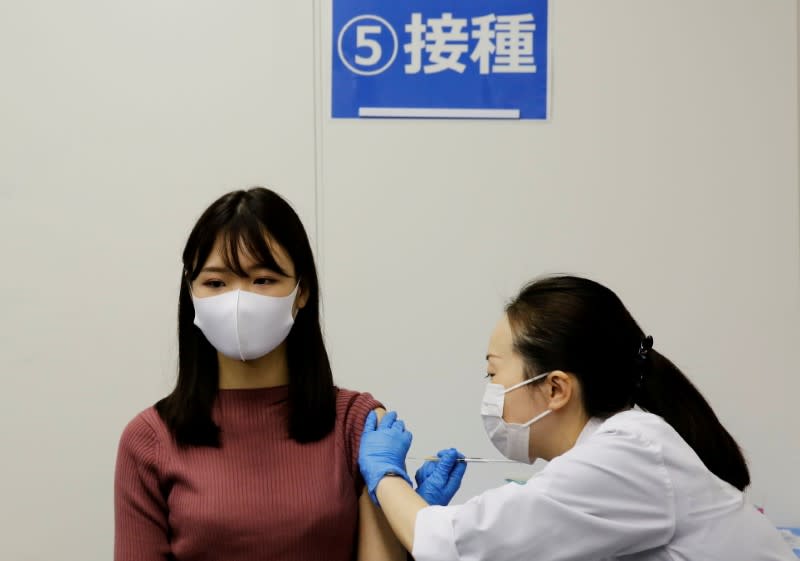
{"points": [[376, 540]]}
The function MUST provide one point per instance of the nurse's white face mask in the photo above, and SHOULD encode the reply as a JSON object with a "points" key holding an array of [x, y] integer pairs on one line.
{"points": [[511, 440], [244, 325]]}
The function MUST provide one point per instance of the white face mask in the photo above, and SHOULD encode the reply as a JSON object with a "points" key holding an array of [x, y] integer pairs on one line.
{"points": [[244, 325], [512, 440]]}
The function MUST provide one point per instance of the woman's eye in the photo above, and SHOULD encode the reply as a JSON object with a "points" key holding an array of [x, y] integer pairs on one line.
{"points": [[264, 280], [214, 283], [489, 375]]}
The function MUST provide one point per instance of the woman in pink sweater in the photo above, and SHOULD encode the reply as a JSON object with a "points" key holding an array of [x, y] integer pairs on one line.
{"points": [[219, 469]]}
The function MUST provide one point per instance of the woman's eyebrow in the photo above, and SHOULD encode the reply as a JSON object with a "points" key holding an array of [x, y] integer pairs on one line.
{"points": [[254, 268], [215, 270], [264, 268]]}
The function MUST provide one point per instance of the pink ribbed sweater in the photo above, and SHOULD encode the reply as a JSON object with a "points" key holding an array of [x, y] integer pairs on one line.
{"points": [[260, 497]]}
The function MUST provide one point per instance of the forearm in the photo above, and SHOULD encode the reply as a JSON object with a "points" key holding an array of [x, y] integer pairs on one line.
{"points": [[400, 505]]}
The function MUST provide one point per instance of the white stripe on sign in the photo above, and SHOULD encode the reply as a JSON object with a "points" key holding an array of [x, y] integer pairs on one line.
{"points": [[432, 113]]}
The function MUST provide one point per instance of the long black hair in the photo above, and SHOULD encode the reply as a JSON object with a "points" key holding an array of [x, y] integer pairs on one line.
{"points": [[243, 220], [579, 326]]}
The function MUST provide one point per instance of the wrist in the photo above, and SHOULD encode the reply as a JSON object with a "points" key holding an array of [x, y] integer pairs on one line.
{"points": [[390, 473], [380, 483], [399, 474], [391, 481]]}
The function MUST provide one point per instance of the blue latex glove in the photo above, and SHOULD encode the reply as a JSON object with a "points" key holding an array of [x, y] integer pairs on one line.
{"points": [[383, 450], [437, 482]]}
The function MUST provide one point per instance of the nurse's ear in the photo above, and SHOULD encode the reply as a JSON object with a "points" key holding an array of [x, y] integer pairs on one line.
{"points": [[561, 388]]}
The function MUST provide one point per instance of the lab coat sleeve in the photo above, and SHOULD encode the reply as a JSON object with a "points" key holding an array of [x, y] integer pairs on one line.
{"points": [[608, 497], [434, 537]]}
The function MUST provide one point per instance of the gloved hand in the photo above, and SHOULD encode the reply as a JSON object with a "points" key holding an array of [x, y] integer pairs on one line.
{"points": [[383, 450], [437, 482]]}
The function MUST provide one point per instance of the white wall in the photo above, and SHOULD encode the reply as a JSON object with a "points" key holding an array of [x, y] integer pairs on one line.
{"points": [[119, 123], [669, 171]]}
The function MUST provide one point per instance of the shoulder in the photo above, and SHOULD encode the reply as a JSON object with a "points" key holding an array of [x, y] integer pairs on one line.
{"points": [[621, 463], [352, 408], [143, 434], [624, 457], [650, 437], [637, 421], [632, 433], [637, 427], [350, 404]]}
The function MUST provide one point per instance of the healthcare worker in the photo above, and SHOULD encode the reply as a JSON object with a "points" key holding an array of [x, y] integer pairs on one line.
{"points": [[639, 465]]}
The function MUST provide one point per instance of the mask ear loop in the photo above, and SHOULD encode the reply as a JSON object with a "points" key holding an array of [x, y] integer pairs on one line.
{"points": [[524, 382], [537, 417], [188, 282], [296, 293], [535, 378]]}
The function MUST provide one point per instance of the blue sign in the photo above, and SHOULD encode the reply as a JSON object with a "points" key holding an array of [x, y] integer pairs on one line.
{"points": [[440, 58]]}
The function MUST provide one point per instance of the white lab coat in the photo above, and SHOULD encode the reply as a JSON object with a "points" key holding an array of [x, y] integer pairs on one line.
{"points": [[630, 488]]}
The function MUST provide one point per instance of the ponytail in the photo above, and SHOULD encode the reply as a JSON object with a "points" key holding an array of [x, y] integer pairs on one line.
{"points": [[667, 392]]}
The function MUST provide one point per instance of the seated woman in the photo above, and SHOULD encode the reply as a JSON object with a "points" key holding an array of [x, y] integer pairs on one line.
{"points": [[253, 456]]}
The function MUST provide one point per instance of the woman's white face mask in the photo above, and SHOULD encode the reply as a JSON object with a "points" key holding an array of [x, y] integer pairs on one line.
{"points": [[244, 325], [511, 440]]}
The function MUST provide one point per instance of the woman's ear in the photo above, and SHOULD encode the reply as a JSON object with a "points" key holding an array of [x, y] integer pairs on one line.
{"points": [[302, 297]]}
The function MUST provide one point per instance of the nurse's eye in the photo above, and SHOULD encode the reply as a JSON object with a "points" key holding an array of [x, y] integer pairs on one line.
{"points": [[489, 375], [214, 283], [264, 281]]}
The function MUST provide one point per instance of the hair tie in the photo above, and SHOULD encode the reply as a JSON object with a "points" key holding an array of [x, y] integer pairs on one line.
{"points": [[644, 350], [644, 347]]}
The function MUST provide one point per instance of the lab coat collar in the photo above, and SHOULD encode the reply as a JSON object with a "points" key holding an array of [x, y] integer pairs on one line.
{"points": [[589, 429]]}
